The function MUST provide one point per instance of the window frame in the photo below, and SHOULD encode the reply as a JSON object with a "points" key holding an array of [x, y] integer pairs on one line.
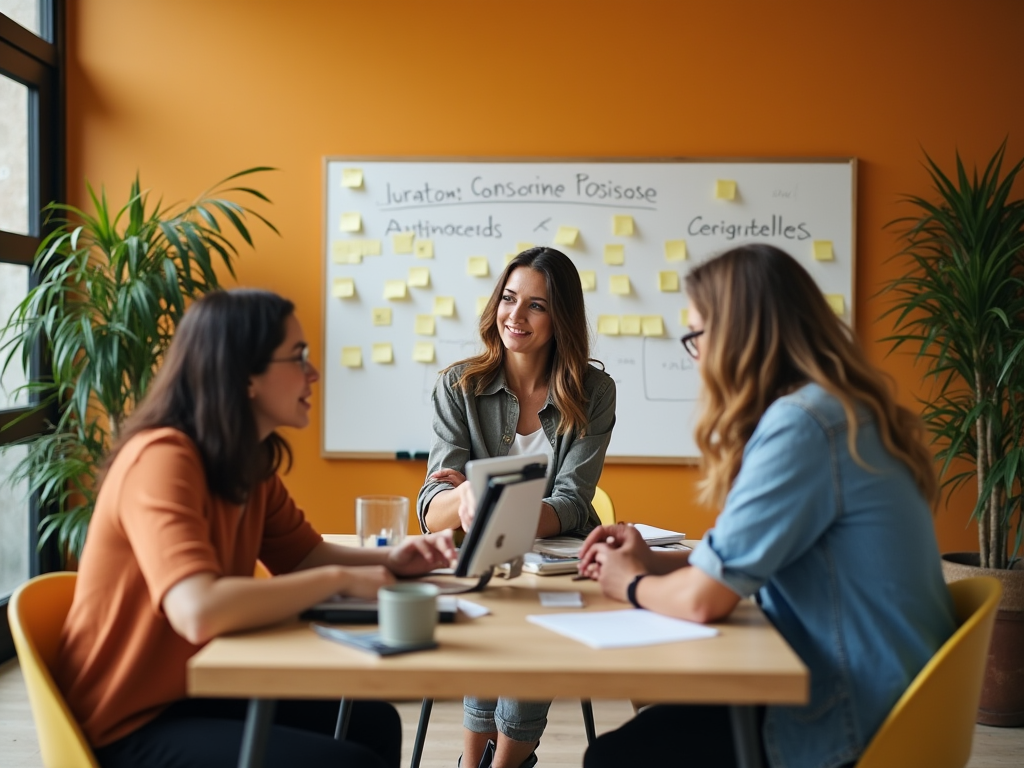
{"points": [[38, 63]]}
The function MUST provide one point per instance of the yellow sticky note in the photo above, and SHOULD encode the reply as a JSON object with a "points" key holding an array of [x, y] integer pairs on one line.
{"points": [[395, 289], [668, 281], [836, 301], [444, 306], [351, 222], [382, 315], [352, 178], [675, 250], [369, 247], [352, 357], [684, 317], [481, 304], [423, 351], [823, 250], [620, 285], [401, 242], [630, 325], [567, 235], [520, 247], [622, 225], [425, 325], [588, 279], [725, 189], [615, 254], [343, 288], [383, 353], [419, 277], [346, 252], [424, 249], [509, 257], [653, 325], [477, 266], [608, 325]]}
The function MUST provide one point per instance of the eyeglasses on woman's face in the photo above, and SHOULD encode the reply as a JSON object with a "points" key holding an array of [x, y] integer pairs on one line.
{"points": [[302, 359], [689, 341]]}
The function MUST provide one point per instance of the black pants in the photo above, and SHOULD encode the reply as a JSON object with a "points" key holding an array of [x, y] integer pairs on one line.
{"points": [[669, 735], [207, 733]]}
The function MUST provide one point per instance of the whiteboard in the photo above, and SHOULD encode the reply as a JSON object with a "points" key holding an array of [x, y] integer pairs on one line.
{"points": [[463, 219]]}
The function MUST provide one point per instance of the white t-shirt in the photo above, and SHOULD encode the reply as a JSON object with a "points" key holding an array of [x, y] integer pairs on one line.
{"points": [[535, 442]]}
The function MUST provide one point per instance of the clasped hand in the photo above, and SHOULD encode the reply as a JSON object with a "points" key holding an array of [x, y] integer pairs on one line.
{"points": [[613, 555]]}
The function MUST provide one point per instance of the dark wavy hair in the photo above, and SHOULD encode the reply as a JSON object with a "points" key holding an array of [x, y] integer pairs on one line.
{"points": [[570, 350], [202, 388]]}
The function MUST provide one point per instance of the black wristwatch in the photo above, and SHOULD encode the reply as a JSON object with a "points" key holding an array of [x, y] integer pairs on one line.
{"points": [[631, 589]]}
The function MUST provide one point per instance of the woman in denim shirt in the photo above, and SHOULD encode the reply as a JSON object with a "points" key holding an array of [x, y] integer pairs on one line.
{"points": [[532, 390], [825, 486]]}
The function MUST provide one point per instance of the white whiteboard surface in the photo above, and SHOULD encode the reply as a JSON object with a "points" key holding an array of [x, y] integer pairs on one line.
{"points": [[492, 209]]}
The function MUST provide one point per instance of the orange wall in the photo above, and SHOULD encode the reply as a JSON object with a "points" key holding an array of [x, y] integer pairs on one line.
{"points": [[188, 91]]}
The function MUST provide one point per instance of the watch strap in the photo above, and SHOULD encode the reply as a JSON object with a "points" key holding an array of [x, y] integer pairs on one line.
{"points": [[631, 590]]}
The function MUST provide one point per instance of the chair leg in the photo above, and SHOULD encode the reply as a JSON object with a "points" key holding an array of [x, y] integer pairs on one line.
{"points": [[421, 732], [588, 720], [344, 715]]}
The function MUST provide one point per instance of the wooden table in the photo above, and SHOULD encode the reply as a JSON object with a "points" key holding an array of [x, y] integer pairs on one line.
{"points": [[502, 654]]}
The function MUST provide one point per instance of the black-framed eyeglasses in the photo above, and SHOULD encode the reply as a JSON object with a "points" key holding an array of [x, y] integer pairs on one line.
{"points": [[689, 341], [302, 359]]}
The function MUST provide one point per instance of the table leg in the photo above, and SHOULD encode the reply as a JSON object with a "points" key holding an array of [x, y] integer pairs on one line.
{"points": [[421, 732], [257, 731], [746, 736]]}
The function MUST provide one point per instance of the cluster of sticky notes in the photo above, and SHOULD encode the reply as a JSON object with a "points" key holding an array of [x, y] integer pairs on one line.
{"points": [[352, 251], [668, 282], [622, 225], [567, 236], [725, 189], [836, 302], [343, 288], [478, 266], [675, 250], [630, 325], [619, 285], [419, 277], [615, 254], [823, 250], [352, 178]]}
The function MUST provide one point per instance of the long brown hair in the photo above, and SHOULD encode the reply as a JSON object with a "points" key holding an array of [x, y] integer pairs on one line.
{"points": [[202, 388], [570, 348], [769, 330]]}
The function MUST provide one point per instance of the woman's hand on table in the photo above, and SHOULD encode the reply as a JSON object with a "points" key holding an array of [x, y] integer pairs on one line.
{"points": [[363, 581], [606, 537], [422, 554]]}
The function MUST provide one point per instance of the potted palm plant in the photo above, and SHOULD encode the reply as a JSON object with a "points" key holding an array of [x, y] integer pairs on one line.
{"points": [[960, 307], [111, 287]]}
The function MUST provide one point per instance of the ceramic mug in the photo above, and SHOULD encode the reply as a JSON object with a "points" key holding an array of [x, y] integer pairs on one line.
{"points": [[407, 613]]}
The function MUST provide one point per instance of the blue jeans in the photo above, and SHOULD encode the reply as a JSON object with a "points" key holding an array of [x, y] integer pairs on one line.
{"points": [[518, 720]]}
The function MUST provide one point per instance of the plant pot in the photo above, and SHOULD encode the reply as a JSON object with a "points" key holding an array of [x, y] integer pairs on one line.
{"points": [[1002, 695]]}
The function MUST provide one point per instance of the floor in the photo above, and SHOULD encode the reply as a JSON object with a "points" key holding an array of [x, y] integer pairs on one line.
{"points": [[562, 746]]}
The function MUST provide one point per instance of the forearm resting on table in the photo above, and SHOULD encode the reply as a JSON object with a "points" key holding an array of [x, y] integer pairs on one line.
{"points": [[687, 593], [443, 513], [202, 606]]}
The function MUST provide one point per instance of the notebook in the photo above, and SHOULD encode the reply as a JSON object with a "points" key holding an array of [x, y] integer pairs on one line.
{"points": [[354, 610]]}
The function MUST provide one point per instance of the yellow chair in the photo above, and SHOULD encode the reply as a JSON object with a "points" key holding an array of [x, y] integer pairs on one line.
{"points": [[604, 507], [36, 613], [932, 724]]}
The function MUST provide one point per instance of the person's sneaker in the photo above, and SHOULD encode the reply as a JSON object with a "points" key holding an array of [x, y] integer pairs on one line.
{"points": [[488, 756], [531, 760]]}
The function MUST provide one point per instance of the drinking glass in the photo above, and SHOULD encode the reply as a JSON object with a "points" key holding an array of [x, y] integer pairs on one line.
{"points": [[381, 521]]}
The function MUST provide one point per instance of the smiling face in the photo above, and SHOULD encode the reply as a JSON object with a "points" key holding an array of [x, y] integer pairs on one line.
{"points": [[280, 395], [524, 319]]}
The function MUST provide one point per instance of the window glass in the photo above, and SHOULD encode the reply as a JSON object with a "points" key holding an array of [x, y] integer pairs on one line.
{"points": [[14, 516], [25, 12], [13, 156], [13, 287]]}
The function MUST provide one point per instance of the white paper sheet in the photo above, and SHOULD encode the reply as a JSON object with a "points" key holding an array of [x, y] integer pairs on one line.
{"points": [[622, 629]]}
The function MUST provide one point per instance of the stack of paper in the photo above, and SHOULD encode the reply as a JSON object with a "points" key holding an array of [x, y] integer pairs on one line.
{"points": [[567, 546], [622, 629]]}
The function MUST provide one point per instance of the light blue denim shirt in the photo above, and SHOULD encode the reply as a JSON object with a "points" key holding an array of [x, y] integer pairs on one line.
{"points": [[469, 426], [844, 562]]}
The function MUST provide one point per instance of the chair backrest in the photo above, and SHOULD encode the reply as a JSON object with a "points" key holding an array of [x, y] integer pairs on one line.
{"points": [[932, 724], [36, 613], [604, 507]]}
